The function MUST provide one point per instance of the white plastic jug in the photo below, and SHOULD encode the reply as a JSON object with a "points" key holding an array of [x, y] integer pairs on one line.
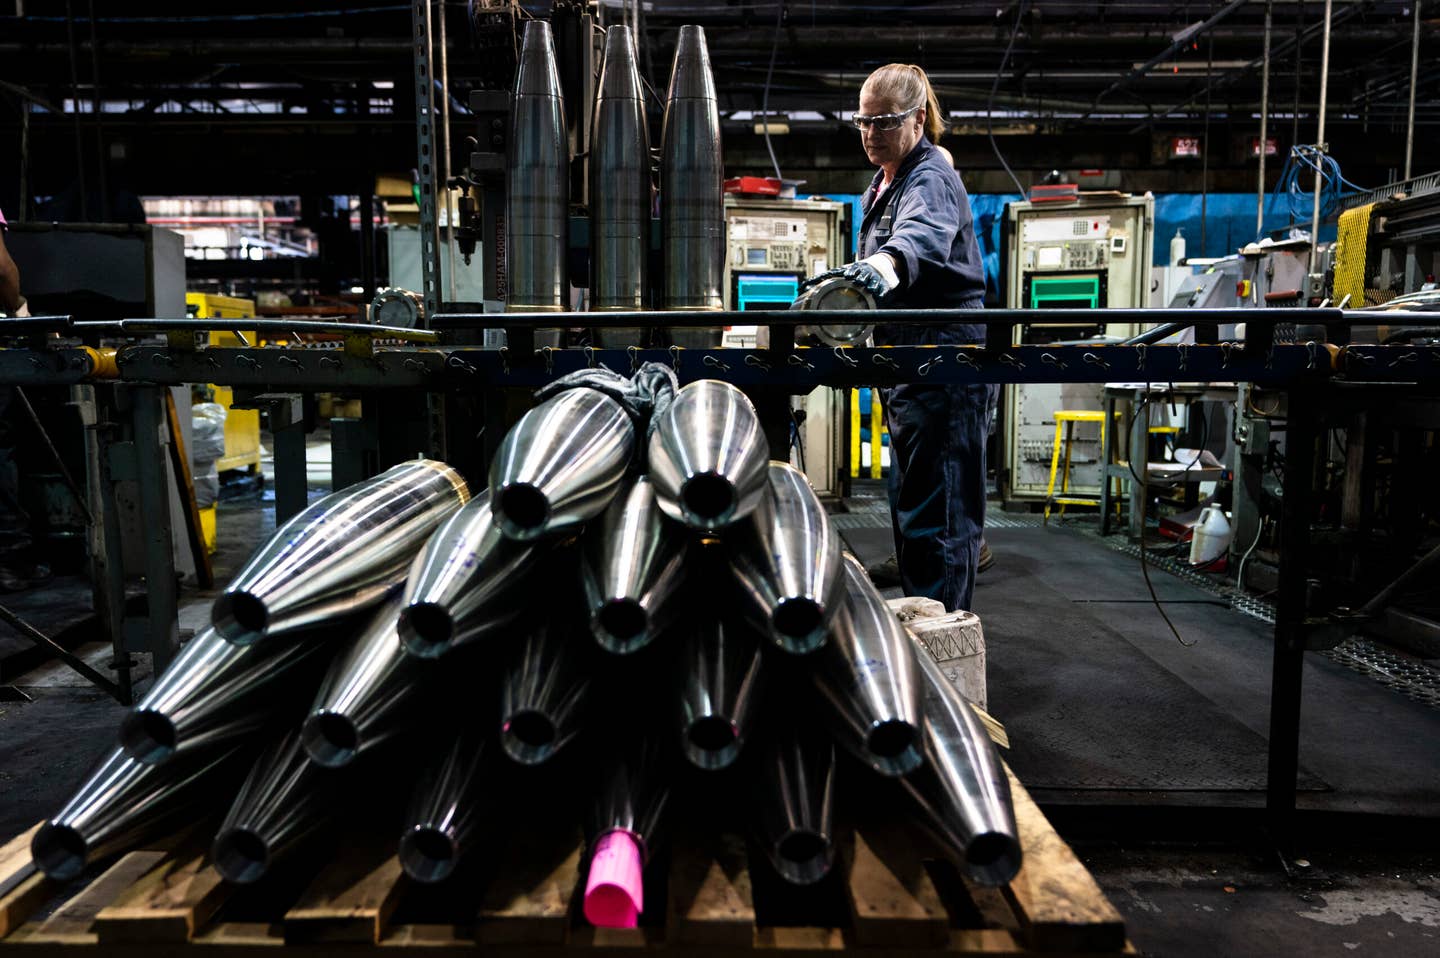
{"points": [[1177, 247], [1211, 537]]}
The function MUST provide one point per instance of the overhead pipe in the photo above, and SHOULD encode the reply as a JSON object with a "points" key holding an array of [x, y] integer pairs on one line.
{"points": [[1264, 124], [1321, 147], [1414, 76]]}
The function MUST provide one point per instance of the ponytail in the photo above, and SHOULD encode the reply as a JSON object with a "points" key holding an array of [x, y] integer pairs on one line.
{"points": [[904, 86]]}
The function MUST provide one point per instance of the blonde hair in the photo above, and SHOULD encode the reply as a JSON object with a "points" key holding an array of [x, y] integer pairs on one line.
{"points": [[905, 87]]}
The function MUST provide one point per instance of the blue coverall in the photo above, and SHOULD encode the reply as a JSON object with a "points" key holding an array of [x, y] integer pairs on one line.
{"points": [[937, 432]]}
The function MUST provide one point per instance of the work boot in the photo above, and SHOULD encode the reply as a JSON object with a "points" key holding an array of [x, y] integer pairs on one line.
{"points": [[986, 558], [885, 573]]}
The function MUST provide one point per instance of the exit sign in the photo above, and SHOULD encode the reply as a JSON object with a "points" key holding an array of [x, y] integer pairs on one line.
{"points": [[1184, 147], [1272, 147]]}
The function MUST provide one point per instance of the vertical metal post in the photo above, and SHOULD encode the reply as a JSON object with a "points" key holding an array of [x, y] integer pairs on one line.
{"points": [[1264, 127], [426, 167], [449, 234], [1107, 440], [75, 116], [1414, 74], [1139, 453], [425, 158], [152, 477], [107, 560], [1286, 674], [287, 427], [367, 195], [1320, 139]]}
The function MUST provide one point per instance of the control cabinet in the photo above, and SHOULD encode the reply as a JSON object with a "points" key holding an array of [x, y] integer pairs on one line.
{"points": [[1091, 253], [771, 246], [770, 240]]}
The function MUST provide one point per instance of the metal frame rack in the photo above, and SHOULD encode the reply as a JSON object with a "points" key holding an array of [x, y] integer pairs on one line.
{"points": [[465, 383]]}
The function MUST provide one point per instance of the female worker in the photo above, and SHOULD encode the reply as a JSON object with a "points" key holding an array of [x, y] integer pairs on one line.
{"points": [[917, 251]]}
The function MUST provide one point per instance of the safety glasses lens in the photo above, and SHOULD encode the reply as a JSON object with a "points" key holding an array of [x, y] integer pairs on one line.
{"points": [[884, 122]]}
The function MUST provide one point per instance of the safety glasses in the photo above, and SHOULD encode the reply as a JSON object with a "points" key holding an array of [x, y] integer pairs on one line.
{"points": [[884, 122]]}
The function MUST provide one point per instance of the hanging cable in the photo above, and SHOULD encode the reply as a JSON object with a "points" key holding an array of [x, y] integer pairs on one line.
{"points": [[99, 116], [990, 103], [1205, 144], [75, 114], [765, 96], [1143, 477], [1305, 158]]}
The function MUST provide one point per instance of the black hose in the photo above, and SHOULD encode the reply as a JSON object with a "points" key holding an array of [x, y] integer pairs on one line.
{"points": [[1151, 336], [1409, 333]]}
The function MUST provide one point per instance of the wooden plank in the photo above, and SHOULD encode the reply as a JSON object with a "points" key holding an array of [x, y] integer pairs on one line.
{"points": [[993, 906], [352, 899], [892, 898], [71, 924], [427, 935], [529, 901], [711, 901], [27, 886], [247, 934], [171, 903], [1059, 904], [799, 938]]}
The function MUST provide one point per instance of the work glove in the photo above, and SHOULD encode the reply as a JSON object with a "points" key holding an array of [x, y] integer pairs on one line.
{"points": [[870, 278], [821, 277]]}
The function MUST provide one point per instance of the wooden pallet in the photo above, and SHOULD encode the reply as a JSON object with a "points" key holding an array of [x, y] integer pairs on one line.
{"points": [[166, 899]]}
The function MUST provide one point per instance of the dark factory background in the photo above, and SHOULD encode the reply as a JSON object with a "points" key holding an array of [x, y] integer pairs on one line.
{"points": [[496, 474]]}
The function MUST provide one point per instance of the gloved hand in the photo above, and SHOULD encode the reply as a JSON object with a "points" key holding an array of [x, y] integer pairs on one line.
{"points": [[821, 277], [869, 277]]}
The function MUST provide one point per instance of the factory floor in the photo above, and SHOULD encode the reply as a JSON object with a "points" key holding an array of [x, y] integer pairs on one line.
{"points": [[1147, 754]]}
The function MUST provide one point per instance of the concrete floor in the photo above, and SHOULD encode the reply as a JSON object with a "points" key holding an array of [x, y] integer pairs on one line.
{"points": [[1205, 877]]}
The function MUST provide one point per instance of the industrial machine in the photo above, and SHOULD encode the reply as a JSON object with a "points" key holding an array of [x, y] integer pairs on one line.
{"points": [[1090, 253], [1388, 247], [773, 244]]}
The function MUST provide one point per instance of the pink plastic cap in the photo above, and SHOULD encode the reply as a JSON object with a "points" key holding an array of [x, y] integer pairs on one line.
{"points": [[615, 892]]}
